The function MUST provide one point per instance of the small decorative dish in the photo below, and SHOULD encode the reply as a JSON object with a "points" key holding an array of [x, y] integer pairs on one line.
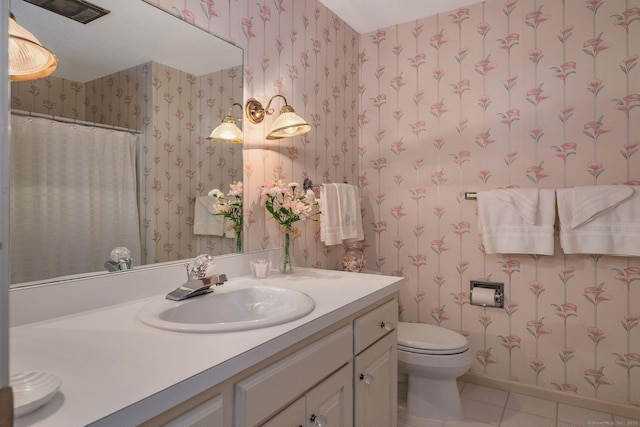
{"points": [[31, 390]]}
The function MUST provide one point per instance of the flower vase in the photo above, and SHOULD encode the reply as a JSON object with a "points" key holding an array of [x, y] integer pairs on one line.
{"points": [[287, 264], [238, 241]]}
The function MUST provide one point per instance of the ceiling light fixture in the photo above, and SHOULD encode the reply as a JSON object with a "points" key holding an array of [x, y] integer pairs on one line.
{"points": [[228, 131], [28, 59], [288, 124]]}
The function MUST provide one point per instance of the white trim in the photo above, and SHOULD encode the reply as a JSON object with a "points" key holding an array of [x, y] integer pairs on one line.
{"points": [[553, 395], [4, 194]]}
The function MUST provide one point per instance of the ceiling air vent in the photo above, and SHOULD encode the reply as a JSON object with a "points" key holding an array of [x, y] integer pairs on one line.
{"points": [[78, 10]]}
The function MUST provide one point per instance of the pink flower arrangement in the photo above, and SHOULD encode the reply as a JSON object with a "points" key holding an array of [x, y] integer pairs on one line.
{"points": [[288, 203]]}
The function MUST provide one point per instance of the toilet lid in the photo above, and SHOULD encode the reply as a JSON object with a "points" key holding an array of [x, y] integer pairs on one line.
{"points": [[425, 338]]}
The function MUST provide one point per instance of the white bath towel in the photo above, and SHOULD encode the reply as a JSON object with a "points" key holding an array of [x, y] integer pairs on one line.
{"points": [[517, 220], [206, 223], [600, 219], [340, 218]]}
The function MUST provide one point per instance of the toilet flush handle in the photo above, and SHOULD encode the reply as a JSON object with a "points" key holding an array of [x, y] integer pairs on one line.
{"points": [[389, 326]]}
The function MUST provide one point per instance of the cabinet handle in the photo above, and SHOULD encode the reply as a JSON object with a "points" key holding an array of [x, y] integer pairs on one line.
{"points": [[389, 326], [319, 420], [367, 378]]}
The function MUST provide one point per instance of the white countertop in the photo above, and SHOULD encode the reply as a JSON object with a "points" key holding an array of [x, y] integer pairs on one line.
{"points": [[117, 371]]}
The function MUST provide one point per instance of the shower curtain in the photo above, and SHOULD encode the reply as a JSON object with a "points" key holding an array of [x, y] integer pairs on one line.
{"points": [[73, 198]]}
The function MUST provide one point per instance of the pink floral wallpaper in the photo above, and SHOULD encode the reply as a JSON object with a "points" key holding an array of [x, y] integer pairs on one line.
{"points": [[506, 93]]}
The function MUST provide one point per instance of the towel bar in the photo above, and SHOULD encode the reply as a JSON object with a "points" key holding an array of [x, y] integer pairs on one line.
{"points": [[308, 184]]}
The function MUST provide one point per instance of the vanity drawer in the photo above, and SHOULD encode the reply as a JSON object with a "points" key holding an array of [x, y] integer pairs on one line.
{"points": [[372, 326], [267, 391]]}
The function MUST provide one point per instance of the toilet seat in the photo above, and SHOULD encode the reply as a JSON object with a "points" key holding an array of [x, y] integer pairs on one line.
{"points": [[422, 338]]}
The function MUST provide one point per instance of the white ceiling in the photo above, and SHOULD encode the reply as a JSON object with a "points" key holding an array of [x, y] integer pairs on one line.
{"points": [[365, 16]]}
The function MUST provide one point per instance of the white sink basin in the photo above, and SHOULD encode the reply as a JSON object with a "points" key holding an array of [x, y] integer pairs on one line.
{"points": [[228, 310]]}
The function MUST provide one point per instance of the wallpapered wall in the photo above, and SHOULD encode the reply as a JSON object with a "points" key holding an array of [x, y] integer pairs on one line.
{"points": [[175, 111], [519, 93], [504, 93], [301, 50]]}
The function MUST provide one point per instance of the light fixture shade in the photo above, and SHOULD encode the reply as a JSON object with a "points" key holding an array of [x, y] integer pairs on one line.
{"points": [[28, 59], [227, 131], [288, 124]]}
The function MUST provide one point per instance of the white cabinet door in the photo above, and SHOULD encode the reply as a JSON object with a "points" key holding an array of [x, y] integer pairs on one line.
{"points": [[259, 396], [376, 384], [330, 403], [207, 414], [292, 416]]}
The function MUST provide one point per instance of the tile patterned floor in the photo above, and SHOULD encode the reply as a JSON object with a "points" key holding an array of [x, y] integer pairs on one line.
{"points": [[488, 407]]}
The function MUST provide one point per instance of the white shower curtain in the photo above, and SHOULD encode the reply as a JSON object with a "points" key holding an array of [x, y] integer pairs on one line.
{"points": [[73, 198]]}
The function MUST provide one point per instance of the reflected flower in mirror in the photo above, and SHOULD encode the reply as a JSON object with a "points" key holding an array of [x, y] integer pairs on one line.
{"points": [[230, 206]]}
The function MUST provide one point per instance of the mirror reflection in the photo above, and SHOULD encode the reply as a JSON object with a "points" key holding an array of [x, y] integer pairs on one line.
{"points": [[80, 189]]}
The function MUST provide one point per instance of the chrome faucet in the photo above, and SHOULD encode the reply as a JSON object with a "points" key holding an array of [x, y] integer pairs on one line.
{"points": [[120, 260], [123, 264], [196, 287], [199, 281]]}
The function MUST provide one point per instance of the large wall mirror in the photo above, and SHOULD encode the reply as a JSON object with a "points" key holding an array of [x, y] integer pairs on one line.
{"points": [[160, 85]]}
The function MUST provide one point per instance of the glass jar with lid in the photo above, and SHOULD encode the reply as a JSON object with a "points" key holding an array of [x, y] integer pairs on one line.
{"points": [[354, 257]]}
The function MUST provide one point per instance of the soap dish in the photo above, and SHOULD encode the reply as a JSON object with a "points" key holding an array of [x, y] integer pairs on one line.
{"points": [[31, 390]]}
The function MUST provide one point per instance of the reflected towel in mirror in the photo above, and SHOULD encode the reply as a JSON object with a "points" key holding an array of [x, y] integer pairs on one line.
{"points": [[206, 223]]}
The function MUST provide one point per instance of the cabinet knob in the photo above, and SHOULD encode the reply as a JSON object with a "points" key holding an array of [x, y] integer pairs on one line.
{"points": [[389, 326], [319, 420], [367, 378]]}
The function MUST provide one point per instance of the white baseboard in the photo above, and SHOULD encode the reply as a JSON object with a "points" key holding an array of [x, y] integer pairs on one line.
{"points": [[554, 395]]}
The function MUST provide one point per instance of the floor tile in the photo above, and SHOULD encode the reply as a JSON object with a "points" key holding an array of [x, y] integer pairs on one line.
{"points": [[488, 395], [409, 421], [480, 411], [486, 407], [532, 405], [581, 416], [512, 418]]}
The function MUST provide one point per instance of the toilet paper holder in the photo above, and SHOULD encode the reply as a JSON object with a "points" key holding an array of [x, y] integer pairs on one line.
{"points": [[496, 287]]}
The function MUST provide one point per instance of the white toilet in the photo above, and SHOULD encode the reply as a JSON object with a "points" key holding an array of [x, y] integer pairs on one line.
{"points": [[432, 357]]}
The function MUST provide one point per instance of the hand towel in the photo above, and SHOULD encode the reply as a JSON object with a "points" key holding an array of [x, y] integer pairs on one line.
{"points": [[600, 219], [340, 218], [206, 223], [517, 220]]}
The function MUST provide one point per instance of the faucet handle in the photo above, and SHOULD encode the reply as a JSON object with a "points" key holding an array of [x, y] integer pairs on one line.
{"points": [[217, 279], [201, 267]]}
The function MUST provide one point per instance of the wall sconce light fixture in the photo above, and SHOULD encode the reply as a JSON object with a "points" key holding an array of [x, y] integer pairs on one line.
{"points": [[28, 59], [288, 124], [228, 131]]}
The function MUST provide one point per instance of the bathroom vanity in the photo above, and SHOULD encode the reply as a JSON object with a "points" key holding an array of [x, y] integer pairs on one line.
{"points": [[334, 366]]}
